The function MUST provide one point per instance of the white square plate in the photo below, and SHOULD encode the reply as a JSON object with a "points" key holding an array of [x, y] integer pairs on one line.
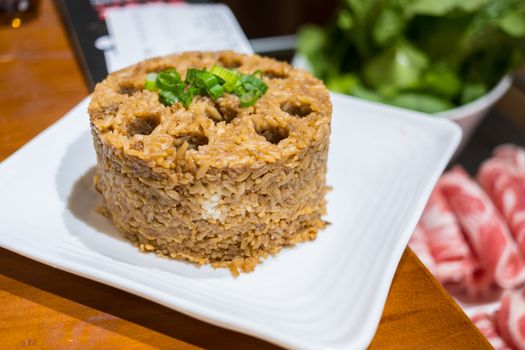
{"points": [[329, 293]]}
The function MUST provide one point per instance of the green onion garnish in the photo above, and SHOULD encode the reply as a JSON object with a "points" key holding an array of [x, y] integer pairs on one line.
{"points": [[206, 80], [216, 91], [231, 78], [167, 98], [214, 83], [169, 80], [191, 75], [239, 91], [150, 81], [249, 98], [258, 73], [251, 82], [186, 98]]}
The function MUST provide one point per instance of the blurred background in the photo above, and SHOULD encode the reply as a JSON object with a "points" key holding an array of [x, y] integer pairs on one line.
{"points": [[457, 60]]}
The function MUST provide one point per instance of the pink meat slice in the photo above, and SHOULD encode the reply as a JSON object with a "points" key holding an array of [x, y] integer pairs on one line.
{"points": [[511, 318], [501, 181], [514, 156], [487, 233], [486, 324], [419, 245], [447, 243]]}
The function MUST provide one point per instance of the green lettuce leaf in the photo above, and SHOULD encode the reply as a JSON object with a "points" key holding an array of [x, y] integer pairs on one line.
{"points": [[420, 102], [442, 7], [388, 26], [427, 55], [398, 67], [513, 23]]}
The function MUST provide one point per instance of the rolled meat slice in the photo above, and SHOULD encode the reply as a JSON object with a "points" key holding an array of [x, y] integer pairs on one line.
{"points": [[513, 155], [500, 180], [447, 243], [486, 324], [485, 229], [419, 244], [511, 318]]}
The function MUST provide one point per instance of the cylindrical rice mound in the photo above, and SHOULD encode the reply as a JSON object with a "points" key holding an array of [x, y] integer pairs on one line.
{"points": [[215, 183]]}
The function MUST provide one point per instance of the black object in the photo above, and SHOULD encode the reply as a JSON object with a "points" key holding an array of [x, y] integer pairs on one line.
{"points": [[84, 27]]}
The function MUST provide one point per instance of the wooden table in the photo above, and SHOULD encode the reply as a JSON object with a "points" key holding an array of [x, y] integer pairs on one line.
{"points": [[45, 308]]}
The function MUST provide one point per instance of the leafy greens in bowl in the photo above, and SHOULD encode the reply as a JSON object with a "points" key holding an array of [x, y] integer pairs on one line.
{"points": [[425, 55]]}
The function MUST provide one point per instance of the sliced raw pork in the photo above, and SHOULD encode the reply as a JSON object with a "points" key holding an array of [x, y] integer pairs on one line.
{"points": [[486, 323], [485, 229], [511, 318], [419, 244], [501, 181], [447, 243]]}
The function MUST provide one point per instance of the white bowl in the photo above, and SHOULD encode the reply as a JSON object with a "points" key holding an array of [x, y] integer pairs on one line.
{"points": [[469, 115]]}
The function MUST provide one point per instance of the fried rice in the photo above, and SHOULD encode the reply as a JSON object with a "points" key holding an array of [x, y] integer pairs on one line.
{"points": [[214, 183]]}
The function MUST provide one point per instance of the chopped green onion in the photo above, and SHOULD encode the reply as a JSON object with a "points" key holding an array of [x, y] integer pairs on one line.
{"points": [[249, 98], [167, 98], [149, 84], [169, 80], [191, 75], [206, 80], [214, 83], [209, 82], [231, 79], [186, 98], [230, 86], [216, 91], [251, 82], [258, 73], [239, 91]]}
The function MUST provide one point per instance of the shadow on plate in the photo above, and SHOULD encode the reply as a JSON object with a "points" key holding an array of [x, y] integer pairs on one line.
{"points": [[95, 232]]}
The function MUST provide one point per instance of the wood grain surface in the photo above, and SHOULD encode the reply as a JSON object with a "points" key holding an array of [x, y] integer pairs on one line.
{"points": [[45, 308]]}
